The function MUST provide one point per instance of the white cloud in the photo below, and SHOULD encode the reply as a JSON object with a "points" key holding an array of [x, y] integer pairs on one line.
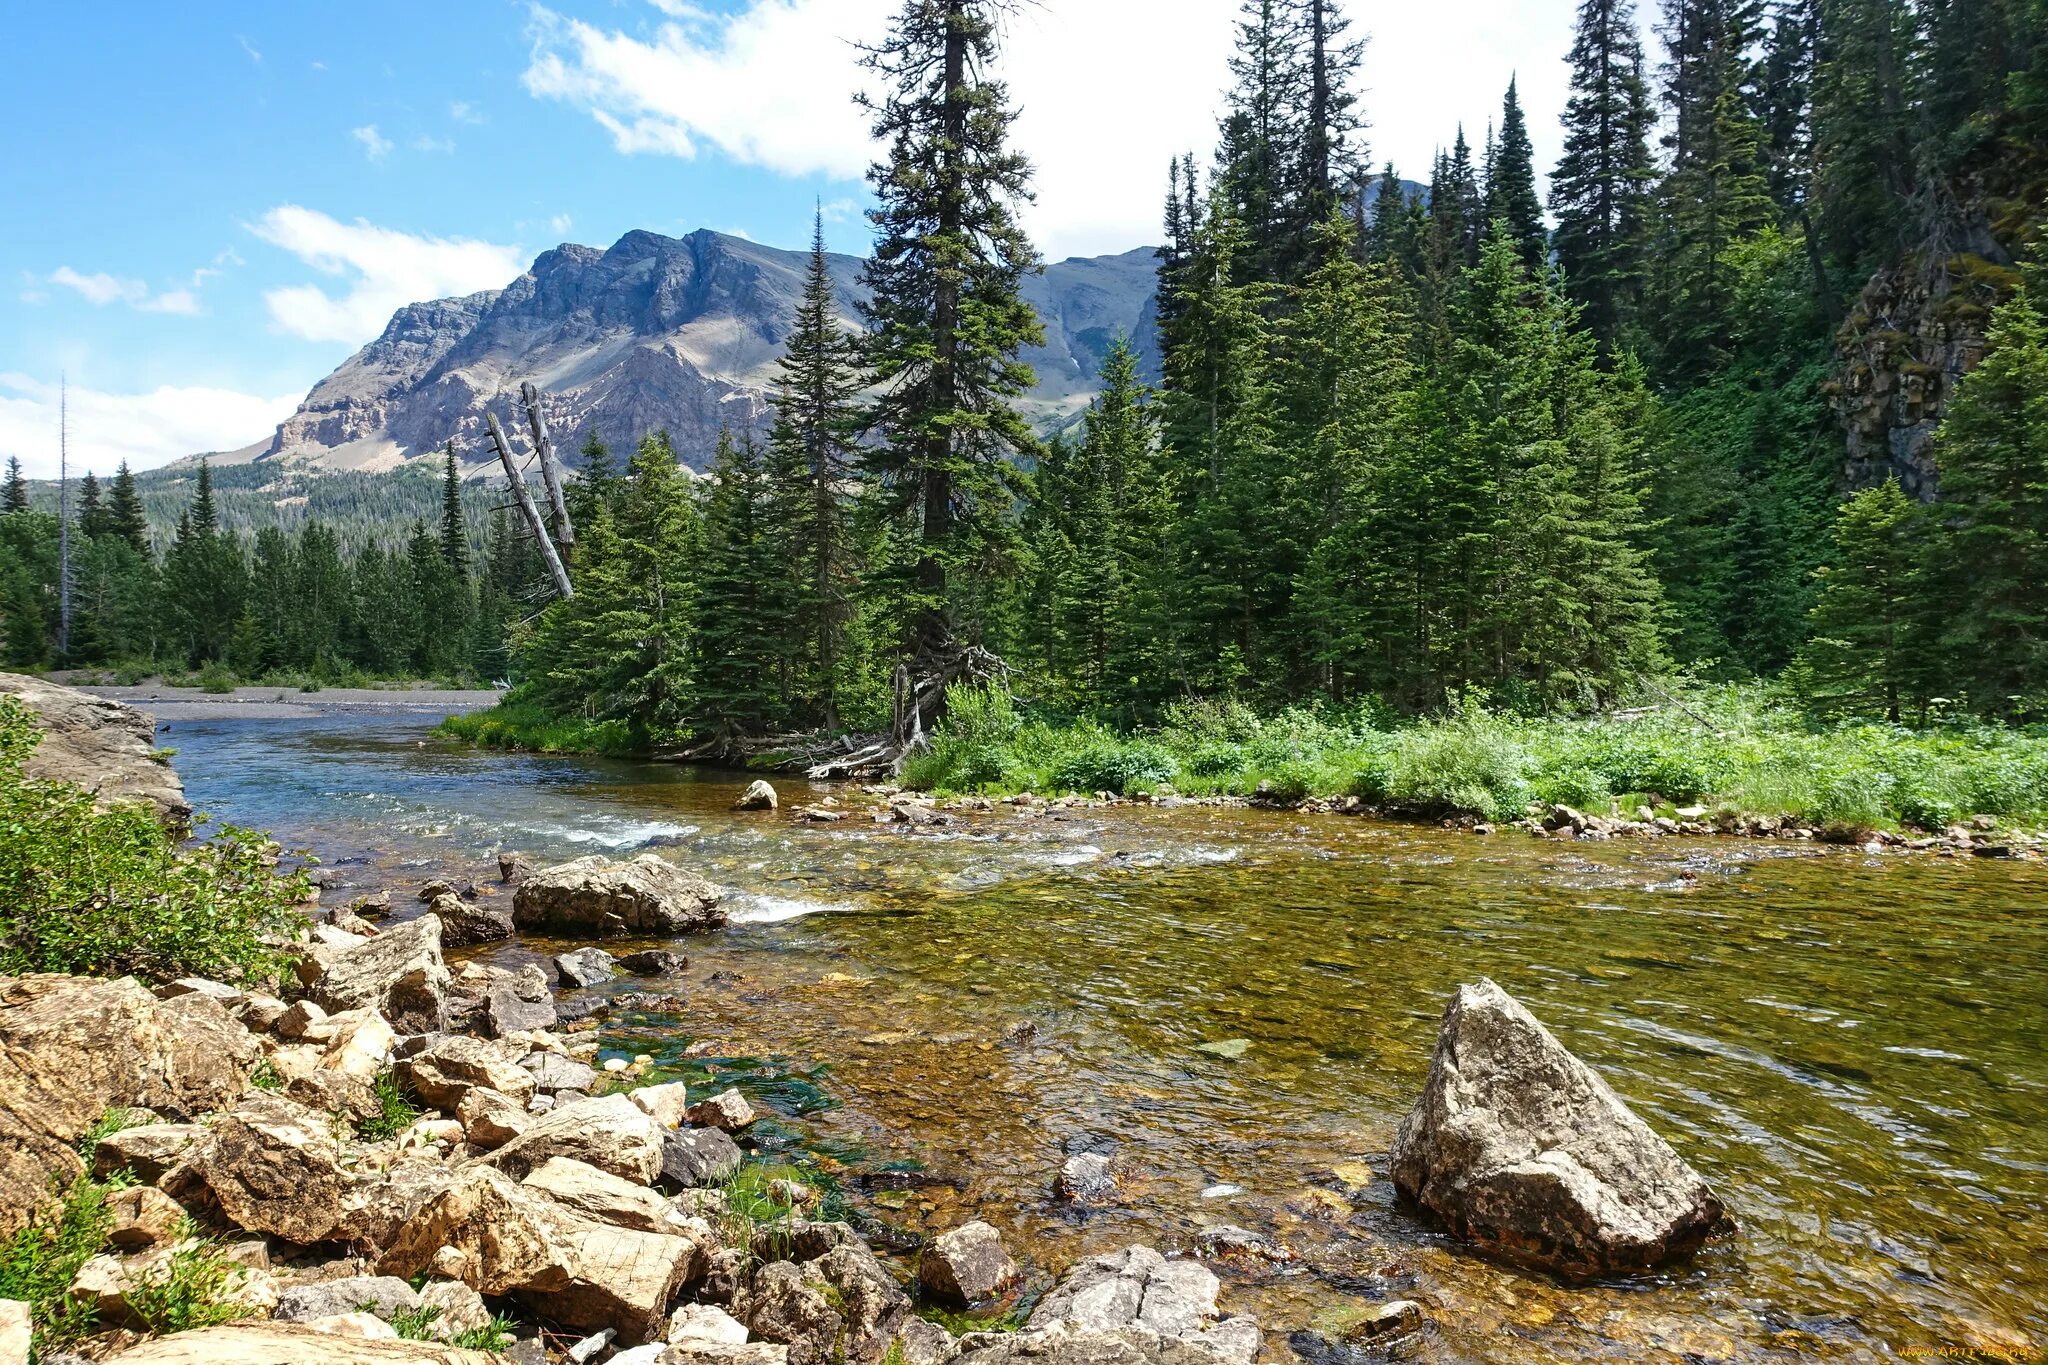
{"points": [[101, 289], [423, 143], [462, 111], [1109, 90], [249, 48], [146, 429], [384, 269], [375, 145], [560, 224]]}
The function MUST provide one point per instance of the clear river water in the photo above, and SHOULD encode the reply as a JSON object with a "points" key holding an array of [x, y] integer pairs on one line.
{"points": [[1239, 1006]]}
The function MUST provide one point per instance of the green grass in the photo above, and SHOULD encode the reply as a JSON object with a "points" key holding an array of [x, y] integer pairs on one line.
{"points": [[960, 1322], [494, 1335], [523, 726], [38, 1263], [1728, 749], [395, 1110], [192, 1292]]}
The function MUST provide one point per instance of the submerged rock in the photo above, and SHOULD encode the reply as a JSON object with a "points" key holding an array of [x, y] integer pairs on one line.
{"points": [[759, 795], [1521, 1147], [598, 898], [586, 967], [654, 962], [1088, 1178]]}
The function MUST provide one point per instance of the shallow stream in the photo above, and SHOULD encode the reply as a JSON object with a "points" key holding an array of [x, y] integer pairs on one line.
{"points": [[1239, 1006]]}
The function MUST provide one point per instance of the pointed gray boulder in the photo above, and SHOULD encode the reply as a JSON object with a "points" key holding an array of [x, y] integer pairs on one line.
{"points": [[1522, 1148]]}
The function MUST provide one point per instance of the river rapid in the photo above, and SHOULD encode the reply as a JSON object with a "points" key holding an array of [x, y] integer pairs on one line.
{"points": [[1239, 1006]]}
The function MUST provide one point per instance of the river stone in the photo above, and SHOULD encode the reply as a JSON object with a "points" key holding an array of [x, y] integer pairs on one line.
{"points": [[468, 922], [654, 962], [1069, 1344], [269, 1343], [554, 1073], [274, 1167], [609, 1132], [100, 745], [1521, 1147], [76, 1047], [400, 972], [490, 1120], [1138, 1289], [1088, 1178], [582, 1274], [727, 1111], [698, 1156], [506, 1011], [15, 1332], [598, 898], [380, 1295], [967, 1265], [445, 1073], [606, 1198], [759, 795], [586, 967], [147, 1150]]}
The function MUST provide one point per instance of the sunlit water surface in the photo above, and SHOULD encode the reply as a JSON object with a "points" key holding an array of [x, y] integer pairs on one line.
{"points": [[1853, 1049]]}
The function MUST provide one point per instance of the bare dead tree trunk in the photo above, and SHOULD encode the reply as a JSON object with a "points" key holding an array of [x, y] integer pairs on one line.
{"points": [[550, 468], [527, 509]]}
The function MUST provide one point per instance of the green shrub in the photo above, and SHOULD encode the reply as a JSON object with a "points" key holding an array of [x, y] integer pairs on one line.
{"points": [[1121, 767], [193, 1291], [395, 1110], [495, 1335], [38, 1263], [217, 678], [1471, 762], [1581, 787], [111, 892]]}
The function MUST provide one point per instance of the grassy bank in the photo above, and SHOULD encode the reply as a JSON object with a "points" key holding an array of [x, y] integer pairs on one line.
{"points": [[220, 679], [1725, 749], [517, 724]]}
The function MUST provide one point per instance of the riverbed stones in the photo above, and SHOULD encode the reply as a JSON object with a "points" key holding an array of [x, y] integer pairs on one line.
{"points": [[273, 1166], [609, 1132], [667, 1104], [586, 967], [400, 973], [553, 1073], [698, 1157], [1137, 1288], [145, 1151], [1087, 1178], [447, 1071], [595, 897], [490, 1119], [382, 1296], [465, 922], [76, 1047], [656, 962], [506, 1011], [1523, 1149], [759, 795], [727, 1111], [967, 1266], [509, 1240], [514, 867]]}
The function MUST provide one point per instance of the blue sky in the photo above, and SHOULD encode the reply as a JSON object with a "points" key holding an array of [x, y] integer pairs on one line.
{"points": [[212, 204]]}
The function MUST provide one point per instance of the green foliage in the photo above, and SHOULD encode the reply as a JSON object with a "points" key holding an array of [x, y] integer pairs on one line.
{"points": [[395, 1110], [193, 1290], [495, 1335], [38, 1263], [110, 892]]}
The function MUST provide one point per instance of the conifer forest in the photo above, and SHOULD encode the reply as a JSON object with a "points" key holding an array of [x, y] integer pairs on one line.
{"points": [[1407, 449]]}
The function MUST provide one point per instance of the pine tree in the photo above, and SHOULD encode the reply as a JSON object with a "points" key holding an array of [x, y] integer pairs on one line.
{"points": [[1862, 152], [1788, 105], [14, 495], [1715, 195], [1993, 450], [125, 516], [1260, 145], [1511, 186], [744, 647], [946, 315], [1601, 189], [1867, 654], [454, 524], [204, 578], [92, 510], [1331, 152], [813, 451], [1389, 208], [1183, 219]]}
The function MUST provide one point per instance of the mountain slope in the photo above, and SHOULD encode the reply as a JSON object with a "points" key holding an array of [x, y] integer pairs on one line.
{"points": [[655, 333]]}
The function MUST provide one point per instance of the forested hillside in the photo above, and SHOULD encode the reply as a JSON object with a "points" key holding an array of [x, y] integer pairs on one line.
{"points": [[1705, 412]]}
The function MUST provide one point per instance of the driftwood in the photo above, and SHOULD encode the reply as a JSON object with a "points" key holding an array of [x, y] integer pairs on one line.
{"points": [[527, 509], [550, 468]]}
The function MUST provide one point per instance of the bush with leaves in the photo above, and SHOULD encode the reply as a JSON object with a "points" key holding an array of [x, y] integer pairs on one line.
{"points": [[111, 892]]}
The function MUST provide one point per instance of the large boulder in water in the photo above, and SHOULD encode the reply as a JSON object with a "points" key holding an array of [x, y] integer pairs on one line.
{"points": [[597, 898], [100, 745], [73, 1047], [1521, 1147]]}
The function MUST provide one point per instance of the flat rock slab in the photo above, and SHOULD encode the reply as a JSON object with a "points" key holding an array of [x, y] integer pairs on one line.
{"points": [[1522, 1148], [599, 898]]}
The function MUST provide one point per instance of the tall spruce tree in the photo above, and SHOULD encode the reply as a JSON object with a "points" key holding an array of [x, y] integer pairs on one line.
{"points": [[1601, 189], [946, 317], [812, 456], [1868, 653], [1511, 185], [14, 494], [1994, 468], [92, 508], [1259, 151], [1862, 129], [454, 523], [125, 516], [745, 650], [1332, 155]]}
